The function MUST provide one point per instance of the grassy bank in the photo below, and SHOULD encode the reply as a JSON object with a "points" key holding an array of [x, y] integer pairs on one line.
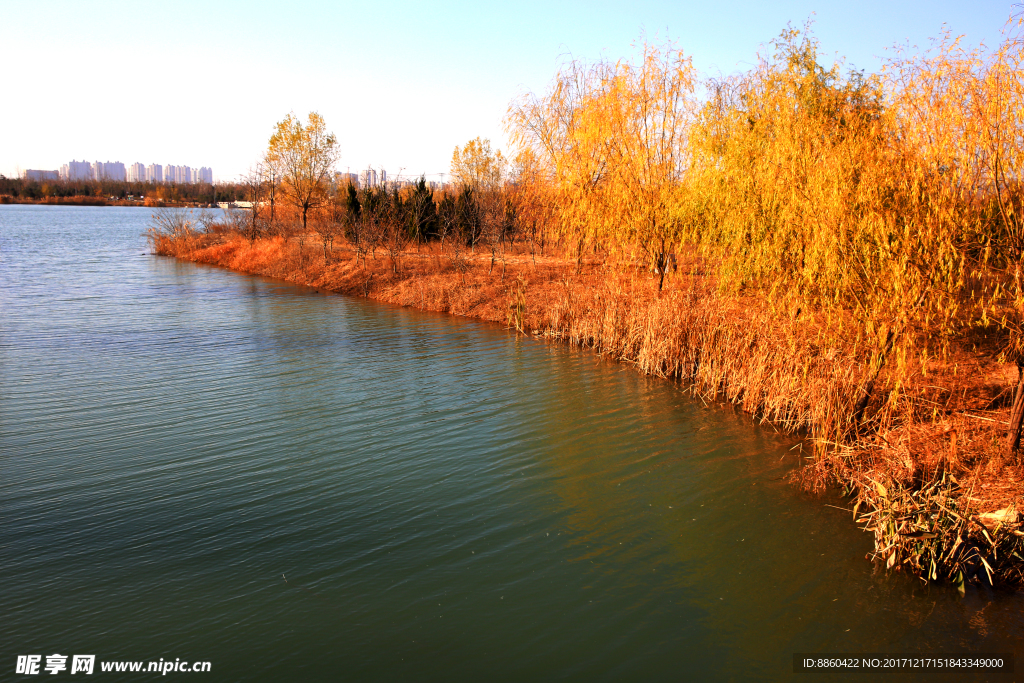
{"points": [[932, 480]]}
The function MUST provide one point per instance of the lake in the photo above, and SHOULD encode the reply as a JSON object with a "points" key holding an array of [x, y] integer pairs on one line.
{"points": [[292, 485]]}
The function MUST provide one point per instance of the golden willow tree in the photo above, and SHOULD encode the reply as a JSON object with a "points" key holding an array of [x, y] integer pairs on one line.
{"points": [[610, 138], [960, 115], [803, 191], [859, 199], [303, 157]]}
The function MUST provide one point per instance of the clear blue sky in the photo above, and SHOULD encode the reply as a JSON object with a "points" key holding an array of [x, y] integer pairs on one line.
{"points": [[401, 83]]}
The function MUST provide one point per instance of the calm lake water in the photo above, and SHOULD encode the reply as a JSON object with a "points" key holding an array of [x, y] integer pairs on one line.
{"points": [[292, 485]]}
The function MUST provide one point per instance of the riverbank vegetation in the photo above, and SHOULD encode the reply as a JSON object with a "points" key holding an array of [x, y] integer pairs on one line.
{"points": [[838, 253]]}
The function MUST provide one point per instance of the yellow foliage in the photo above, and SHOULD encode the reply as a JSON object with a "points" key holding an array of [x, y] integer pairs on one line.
{"points": [[475, 165], [303, 156], [610, 140], [887, 207]]}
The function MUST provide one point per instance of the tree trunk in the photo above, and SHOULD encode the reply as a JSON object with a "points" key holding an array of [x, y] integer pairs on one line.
{"points": [[1017, 414], [662, 262], [869, 386]]}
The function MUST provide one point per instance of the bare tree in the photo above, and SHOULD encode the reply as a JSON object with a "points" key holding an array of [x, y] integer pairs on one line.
{"points": [[174, 223], [326, 230], [453, 242], [395, 231], [174, 227], [367, 230], [271, 182], [493, 226], [250, 223]]}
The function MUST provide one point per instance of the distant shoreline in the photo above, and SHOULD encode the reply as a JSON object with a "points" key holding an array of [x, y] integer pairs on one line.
{"points": [[100, 201]]}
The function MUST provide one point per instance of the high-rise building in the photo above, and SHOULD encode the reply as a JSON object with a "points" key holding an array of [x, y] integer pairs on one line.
{"points": [[109, 171], [154, 173], [40, 176], [136, 173], [179, 174], [368, 178], [76, 170]]}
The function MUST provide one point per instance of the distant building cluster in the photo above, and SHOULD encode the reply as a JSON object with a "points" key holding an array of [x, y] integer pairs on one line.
{"points": [[39, 176], [373, 178], [342, 179], [157, 173], [107, 170], [370, 178]]}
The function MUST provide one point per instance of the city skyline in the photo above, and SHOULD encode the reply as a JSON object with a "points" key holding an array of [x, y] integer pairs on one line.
{"points": [[117, 171], [169, 173]]}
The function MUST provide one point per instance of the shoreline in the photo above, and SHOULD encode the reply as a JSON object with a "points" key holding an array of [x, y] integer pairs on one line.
{"points": [[939, 506], [84, 200]]}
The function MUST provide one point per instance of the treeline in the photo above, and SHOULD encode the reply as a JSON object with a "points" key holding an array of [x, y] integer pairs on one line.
{"points": [[462, 219], [190, 193], [292, 192]]}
